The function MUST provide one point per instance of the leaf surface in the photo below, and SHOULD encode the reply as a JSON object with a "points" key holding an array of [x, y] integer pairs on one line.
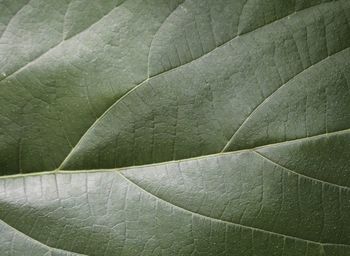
{"points": [[177, 127]]}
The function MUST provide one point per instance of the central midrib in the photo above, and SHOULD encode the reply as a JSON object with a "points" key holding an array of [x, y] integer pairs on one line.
{"points": [[56, 171]]}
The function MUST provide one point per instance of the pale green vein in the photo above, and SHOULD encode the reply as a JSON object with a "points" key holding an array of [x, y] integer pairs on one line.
{"points": [[262, 103], [155, 34], [162, 73], [311, 138], [55, 46], [13, 16], [228, 222], [299, 174], [36, 241]]}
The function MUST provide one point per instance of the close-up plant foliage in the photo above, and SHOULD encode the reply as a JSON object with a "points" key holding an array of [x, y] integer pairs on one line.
{"points": [[175, 127]]}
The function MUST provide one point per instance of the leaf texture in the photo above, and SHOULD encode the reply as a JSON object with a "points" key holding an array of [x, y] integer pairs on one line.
{"points": [[175, 127]]}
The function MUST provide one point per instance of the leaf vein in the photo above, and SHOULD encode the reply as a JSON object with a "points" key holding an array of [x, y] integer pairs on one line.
{"points": [[228, 222], [36, 241], [55, 46], [262, 103], [157, 75], [299, 174], [13, 16]]}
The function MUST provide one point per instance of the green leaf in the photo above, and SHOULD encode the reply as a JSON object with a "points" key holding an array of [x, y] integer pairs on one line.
{"points": [[175, 127]]}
